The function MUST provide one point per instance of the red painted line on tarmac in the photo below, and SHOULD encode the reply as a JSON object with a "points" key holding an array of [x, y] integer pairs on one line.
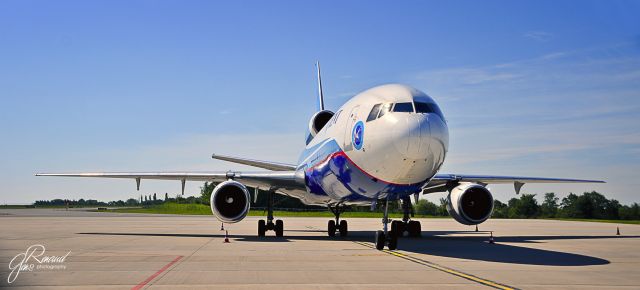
{"points": [[143, 283]]}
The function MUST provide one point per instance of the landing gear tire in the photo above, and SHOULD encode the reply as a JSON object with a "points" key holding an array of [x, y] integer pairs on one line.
{"points": [[279, 228], [331, 228], [380, 240], [415, 229], [398, 227], [392, 240], [343, 228], [262, 228]]}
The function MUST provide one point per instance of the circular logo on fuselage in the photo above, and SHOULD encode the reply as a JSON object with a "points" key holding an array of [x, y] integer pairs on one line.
{"points": [[357, 136]]}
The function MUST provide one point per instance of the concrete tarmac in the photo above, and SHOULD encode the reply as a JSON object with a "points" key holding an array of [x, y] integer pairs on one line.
{"points": [[125, 251]]}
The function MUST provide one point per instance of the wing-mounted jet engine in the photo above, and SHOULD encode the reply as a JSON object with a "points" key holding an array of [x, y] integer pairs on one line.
{"points": [[470, 203], [230, 201]]}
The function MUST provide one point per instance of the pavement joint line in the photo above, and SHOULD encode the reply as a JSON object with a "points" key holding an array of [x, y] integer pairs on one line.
{"points": [[198, 249], [144, 283], [443, 268]]}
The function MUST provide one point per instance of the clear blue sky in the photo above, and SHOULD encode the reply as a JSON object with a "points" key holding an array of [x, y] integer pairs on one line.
{"points": [[541, 88]]}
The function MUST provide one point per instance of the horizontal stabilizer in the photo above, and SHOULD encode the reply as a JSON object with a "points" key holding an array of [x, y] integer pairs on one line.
{"points": [[275, 166]]}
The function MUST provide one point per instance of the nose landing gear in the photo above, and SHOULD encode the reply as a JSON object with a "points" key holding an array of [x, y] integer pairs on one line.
{"points": [[385, 237]]}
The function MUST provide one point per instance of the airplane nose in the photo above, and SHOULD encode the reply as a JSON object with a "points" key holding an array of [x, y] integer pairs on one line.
{"points": [[421, 142], [410, 136], [422, 137], [439, 138]]}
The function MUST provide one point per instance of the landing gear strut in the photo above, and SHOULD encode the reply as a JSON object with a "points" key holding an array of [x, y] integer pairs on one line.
{"points": [[269, 225], [383, 237], [413, 228], [337, 224]]}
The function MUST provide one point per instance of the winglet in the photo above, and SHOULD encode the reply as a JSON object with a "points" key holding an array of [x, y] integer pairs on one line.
{"points": [[320, 95]]}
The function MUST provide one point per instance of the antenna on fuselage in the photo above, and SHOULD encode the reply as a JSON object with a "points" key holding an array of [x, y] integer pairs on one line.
{"points": [[320, 95]]}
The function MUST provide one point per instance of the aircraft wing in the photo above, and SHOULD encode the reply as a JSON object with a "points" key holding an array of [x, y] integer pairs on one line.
{"points": [[439, 181], [266, 180]]}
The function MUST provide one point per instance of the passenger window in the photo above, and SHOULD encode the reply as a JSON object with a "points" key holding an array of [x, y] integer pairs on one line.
{"points": [[428, 108], [386, 108], [374, 112], [403, 107]]}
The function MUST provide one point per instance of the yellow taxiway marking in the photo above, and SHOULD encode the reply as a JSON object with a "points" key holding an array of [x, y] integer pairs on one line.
{"points": [[443, 269]]}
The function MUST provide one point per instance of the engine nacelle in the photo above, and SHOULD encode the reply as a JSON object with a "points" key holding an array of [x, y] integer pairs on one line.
{"points": [[230, 201], [470, 203], [318, 121]]}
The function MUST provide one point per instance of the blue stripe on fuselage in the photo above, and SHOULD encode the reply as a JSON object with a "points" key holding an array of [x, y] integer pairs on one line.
{"points": [[329, 172]]}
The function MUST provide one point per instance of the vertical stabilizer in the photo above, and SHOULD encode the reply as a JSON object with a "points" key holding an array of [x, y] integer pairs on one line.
{"points": [[320, 95]]}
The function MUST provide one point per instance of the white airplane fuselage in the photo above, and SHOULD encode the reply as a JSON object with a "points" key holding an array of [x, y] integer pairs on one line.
{"points": [[360, 156]]}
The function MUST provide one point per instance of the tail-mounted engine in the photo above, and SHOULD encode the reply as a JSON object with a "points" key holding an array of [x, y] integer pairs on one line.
{"points": [[317, 122], [470, 203], [230, 201]]}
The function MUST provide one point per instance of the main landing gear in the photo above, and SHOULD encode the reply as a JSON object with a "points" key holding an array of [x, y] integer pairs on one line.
{"points": [[390, 238], [337, 224], [269, 225], [412, 228]]}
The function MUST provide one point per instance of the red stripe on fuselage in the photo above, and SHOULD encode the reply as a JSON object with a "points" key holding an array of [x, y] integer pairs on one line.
{"points": [[342, 153]]}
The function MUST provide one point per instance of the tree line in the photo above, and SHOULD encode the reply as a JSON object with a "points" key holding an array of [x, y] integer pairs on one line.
{"points": [[589, 205]]}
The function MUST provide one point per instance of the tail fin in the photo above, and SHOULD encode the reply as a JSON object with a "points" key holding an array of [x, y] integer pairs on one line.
{"points": [[320, 95]]}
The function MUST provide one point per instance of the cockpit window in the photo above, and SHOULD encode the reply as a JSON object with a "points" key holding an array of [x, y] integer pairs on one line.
{"points": [[403, 107], [385, 108], [374, 112], [428, 108]]}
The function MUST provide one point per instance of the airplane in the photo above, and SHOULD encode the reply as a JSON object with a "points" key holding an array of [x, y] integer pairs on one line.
{"points": [[385, 144]]}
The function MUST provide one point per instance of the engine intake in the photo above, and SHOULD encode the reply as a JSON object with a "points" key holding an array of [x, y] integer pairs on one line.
{"points": [[470, 203], [230, 201], [318, 121]]}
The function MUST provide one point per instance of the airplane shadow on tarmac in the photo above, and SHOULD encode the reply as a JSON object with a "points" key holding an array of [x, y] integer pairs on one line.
{"points": [[472, 246]]}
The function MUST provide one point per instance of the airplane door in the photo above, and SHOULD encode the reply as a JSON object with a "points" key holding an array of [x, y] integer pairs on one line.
{"points": [[351, 121]]}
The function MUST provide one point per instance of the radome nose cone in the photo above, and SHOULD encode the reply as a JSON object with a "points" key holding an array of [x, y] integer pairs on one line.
{"points": [[439, 139], [422, 137], [408, 136]]}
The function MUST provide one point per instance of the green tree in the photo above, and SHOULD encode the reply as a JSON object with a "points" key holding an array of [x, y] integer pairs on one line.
{"points": [[524, 207], [568, 207], [500, 210], [425, 207], [132, 202], [589, 205], [631, 212], [205, 192], [442, 208], [549, 206]]}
